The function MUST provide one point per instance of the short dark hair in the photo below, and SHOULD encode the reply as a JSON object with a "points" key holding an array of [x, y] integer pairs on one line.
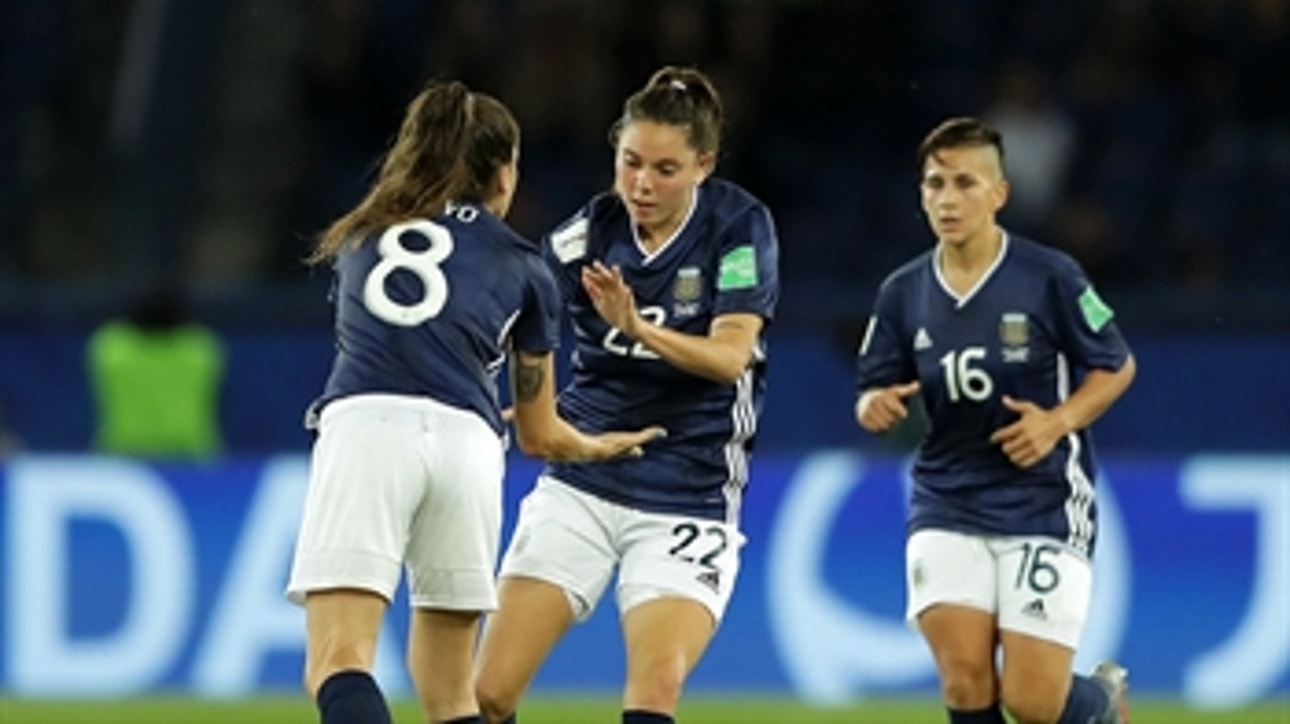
{"points": [[958, 133]]}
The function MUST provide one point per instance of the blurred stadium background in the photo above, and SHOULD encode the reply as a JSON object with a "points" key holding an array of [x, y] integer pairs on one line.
{"points": [[205, 142]]}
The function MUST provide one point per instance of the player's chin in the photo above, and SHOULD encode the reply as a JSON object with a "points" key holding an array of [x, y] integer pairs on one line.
{"points": [[951, 234]]}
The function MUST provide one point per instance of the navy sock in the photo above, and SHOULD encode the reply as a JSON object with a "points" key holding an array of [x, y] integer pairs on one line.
{"points": [[988, 715], [640, 716], [1087, 701], [352, 697], [473, 719], [510, 719]]}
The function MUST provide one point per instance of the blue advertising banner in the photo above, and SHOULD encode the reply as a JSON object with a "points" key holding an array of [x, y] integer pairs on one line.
{"points": [[120, 577]]}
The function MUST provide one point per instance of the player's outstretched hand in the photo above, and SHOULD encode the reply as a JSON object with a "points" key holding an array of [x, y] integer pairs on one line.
{"points": [[882, 408], [613, 445], [611, 296]]}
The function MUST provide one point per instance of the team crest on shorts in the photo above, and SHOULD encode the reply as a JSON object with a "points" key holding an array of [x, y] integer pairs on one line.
{"points": [[686, 291], [1014, 332], [917, 575]]}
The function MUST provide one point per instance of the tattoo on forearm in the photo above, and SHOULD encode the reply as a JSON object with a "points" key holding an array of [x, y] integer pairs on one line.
{"points": [[528, 380]]}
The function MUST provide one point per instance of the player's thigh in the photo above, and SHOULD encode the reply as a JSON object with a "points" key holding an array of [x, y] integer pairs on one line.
{"points": [[665, 637], [1035, 676], [441, 660], [531, 618], [950, 581], [452, 549], [678, 556], [562, 537], [366, 480], [1044, 589]]}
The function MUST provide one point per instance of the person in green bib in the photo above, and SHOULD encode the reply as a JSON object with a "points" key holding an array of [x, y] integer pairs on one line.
{"points": [[156, 378]]}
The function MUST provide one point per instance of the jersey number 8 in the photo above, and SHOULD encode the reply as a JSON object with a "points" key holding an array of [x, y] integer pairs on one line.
{"points": [[425, 264]]}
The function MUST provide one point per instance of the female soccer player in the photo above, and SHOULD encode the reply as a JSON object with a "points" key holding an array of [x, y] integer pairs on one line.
{"points": [[669, 281], [1014, 355], [432, 289]]}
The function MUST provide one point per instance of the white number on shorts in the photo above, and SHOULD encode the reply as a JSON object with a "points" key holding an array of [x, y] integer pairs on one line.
{"points": [[1036, 572], [689, 533], [614, 340], [425, 264], [962, 379]]}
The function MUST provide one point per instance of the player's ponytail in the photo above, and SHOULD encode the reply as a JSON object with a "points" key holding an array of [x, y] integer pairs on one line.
{"points": [[677, 96], [449, 145]]}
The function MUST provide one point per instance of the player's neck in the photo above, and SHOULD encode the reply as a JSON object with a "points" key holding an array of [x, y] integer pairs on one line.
{"points": [[964, 263]]}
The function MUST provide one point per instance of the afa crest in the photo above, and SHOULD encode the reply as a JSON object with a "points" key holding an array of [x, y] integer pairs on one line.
{"points": [[1014, 329], [1014, 332], [689, 284]]}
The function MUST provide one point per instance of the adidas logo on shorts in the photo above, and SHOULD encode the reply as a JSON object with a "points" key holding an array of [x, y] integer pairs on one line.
{"points": [[1036, 609], [711, 579]]}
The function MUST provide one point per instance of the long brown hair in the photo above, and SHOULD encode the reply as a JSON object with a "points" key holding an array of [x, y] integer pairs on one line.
{"points": [[451, 143]]}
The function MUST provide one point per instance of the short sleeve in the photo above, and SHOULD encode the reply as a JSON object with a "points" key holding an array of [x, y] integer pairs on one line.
{"points": [[882, 359], [748, 268], [1086, 323], [537, 329]]}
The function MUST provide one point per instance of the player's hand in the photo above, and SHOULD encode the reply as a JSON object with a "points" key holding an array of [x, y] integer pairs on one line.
{"points": [[613, 445], [882, 408], [1032, 436], [611, 296]]}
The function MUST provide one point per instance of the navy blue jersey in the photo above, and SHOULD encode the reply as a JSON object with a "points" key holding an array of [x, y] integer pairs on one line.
{"points": [[426, 308], [1031, 329], [723, 260]]}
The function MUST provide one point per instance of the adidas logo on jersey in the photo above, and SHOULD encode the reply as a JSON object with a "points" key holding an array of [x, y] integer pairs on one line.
{"points": [[710, 578], [1035, 609], [922, 340]]}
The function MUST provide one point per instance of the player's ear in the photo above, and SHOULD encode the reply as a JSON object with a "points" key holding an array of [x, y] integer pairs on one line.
{"points": [[707, 163], [505, 180], [1002, 189]]}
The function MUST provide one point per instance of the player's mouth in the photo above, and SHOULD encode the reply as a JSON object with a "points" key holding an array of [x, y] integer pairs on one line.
{"points": [[643, 207]]}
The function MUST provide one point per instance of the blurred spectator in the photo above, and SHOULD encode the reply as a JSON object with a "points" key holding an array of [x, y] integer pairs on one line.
{"points": [[1041, 142], [156, 378]]}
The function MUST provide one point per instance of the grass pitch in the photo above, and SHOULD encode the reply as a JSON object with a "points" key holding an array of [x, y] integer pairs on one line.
{"points": [[583, 710]]}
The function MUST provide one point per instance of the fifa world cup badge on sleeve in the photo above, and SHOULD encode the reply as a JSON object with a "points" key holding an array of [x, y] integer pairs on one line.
{"points": [[1096, 312], [738, 269]]}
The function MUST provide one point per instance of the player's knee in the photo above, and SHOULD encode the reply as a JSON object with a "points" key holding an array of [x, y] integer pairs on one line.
{"points": [[967, 684], [496, 701], [656, 687]]}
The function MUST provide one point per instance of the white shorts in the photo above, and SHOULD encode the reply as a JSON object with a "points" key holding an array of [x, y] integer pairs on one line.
{"points": [[575, 540], [1033, 585], [398, 480]]}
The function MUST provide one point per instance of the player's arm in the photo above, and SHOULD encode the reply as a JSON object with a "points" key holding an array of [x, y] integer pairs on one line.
{"points": [[721, 356], [542, 433], [1034, 434]]}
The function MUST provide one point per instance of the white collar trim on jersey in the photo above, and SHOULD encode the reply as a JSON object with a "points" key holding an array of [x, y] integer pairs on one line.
{"points": [[940, 278], [651, 256]]}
